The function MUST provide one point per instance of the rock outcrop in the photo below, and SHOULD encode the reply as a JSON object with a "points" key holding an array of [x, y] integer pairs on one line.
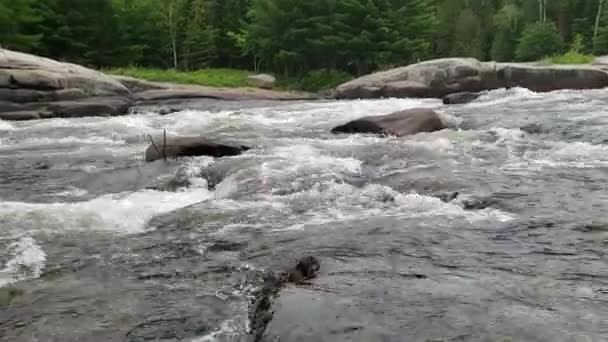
{"points": [[401, 123], [440, 77], [174, 147], [92, 106], [33, 87], [24, 71]]}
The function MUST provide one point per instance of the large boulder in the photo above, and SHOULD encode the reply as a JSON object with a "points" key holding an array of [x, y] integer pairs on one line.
{"points": [[24, 71], [401, 123], [440, 77], [173, 147], [263, 81], [434, 78]]}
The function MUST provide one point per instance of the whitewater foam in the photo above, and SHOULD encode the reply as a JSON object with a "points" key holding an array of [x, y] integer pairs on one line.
{"points": [[27, 261], [122, 213]]}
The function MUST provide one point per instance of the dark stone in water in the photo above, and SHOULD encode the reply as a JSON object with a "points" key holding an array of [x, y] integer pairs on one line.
{"points": [[460, 98], [478, 203], [448, 197], [260, 311], [175, 147], [532, 128], [307, 268], [406, 122]]}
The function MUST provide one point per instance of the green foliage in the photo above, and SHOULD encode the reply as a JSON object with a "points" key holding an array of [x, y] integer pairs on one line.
{"points": [[295, 37], [538, 41], [600, 43], [16, 20], [570, 57], [206, 77], [319, 80]]}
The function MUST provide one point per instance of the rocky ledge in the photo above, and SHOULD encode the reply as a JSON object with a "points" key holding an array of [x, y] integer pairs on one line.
{"points": [[33, 87], [440, 77]]}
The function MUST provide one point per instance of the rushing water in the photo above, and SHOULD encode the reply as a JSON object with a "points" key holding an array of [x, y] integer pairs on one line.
{"points": [[104, 247]]}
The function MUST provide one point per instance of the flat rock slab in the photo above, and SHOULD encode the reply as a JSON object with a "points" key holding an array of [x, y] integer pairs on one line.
{"points": [[95, 106], [440, 77], [174, 147], [191, 92], [406, 122]]}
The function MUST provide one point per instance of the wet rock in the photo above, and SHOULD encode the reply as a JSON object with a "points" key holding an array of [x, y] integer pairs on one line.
{"points": [[307, 268], [175, 147], [95, 106], [7, 106], [260, 311], [448, 197], [263, 81], [460, 98], [401, 123], [478, 203], [23, 115], [532, 128]]}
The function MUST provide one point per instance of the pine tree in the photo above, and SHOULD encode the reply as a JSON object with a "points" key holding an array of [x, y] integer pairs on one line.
{"points": [[16, 19]]}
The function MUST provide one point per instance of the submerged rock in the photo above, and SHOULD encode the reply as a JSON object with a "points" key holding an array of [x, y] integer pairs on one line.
{"points": [[307, 268], [260, 311], [175, 147], [532, 128], [460, 98], [401, 123], [448, 197]]}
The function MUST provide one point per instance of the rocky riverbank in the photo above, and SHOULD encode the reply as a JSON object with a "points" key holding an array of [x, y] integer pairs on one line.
{"points": [[440, 77], [33, 87]]}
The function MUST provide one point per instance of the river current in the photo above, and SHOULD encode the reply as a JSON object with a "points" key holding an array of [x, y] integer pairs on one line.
{"points": [[97, 245]]}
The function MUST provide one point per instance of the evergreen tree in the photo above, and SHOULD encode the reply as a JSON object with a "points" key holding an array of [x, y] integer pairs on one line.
{"points": [[16, 20]]}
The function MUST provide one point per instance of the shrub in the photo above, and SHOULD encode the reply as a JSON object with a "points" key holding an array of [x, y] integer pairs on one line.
{"points": [[538, 41], [319, 80], [571, 57]]}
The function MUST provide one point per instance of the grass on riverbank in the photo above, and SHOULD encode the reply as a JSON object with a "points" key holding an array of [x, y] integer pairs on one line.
{"points": [[313, 81], [570, 57], [231, 78]]}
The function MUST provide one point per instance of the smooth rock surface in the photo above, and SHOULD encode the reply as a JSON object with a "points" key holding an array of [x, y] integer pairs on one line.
{"points": [[237, 94], [440, 77], [24, 71], [175, 147], [400, 123]]}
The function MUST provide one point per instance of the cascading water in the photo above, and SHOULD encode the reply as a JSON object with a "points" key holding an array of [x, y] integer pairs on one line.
{"points": [[103, 248]]}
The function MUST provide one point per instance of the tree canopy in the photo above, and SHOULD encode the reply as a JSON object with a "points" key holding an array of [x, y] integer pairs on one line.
{"points": [[293, 37]]}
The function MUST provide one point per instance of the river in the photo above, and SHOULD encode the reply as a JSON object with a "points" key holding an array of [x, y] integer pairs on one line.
{"points": [[97, 245]]}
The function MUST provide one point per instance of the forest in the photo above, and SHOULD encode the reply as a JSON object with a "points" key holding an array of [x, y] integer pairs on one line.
{"points": [[294, 37]]}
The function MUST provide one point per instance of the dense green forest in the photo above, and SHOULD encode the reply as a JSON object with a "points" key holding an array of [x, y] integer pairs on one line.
{"points": [[293, 37]]}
